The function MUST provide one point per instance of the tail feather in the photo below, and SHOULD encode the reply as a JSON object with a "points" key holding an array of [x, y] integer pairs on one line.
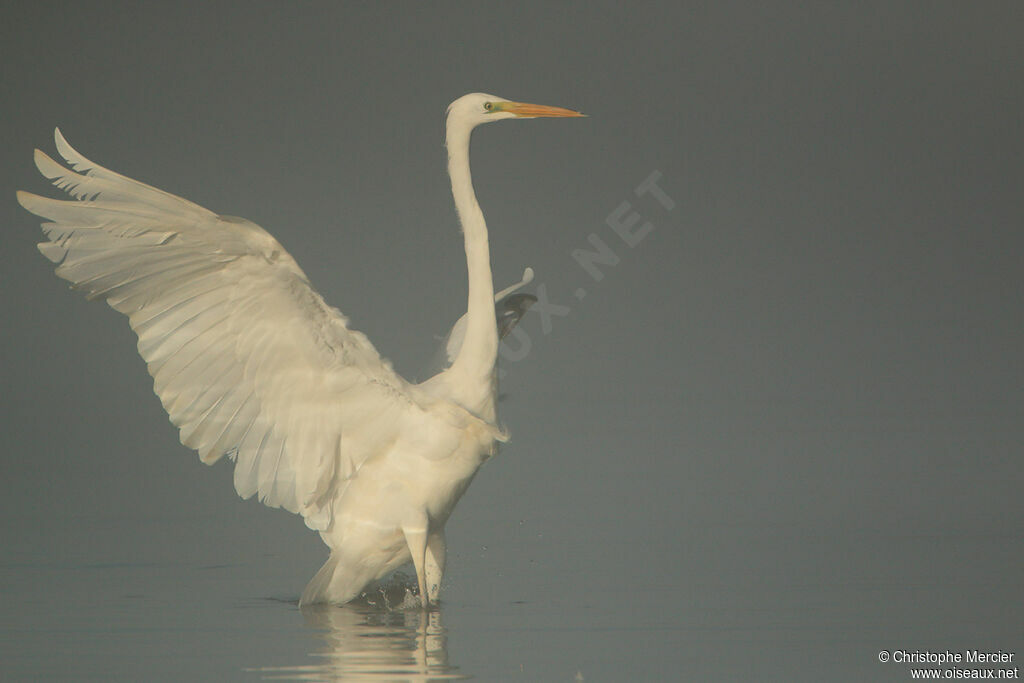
{"points": [[340, 580], [316, 591]]}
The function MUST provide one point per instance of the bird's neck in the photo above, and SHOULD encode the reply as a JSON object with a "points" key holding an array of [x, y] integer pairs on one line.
{"points": [[473, 368]]}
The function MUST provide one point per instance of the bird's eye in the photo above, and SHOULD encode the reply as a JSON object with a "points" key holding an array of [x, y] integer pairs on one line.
{"points": [[488, 106]]}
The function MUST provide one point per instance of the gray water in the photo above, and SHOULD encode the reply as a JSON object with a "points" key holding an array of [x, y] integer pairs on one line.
{"points": [[539, 602]]}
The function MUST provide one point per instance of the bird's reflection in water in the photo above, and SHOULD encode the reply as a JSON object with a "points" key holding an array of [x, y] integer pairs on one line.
{"points": [[385, 635]]}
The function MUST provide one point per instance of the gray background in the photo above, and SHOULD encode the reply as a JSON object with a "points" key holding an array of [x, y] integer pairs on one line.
{"points": [[781, 434]]}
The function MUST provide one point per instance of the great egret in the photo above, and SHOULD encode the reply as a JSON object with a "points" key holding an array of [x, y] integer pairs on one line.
{"points": [[250, 362]]}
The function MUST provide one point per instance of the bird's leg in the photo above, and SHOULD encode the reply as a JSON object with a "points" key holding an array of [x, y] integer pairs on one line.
{"points": [[434, 565], [416, 538]]}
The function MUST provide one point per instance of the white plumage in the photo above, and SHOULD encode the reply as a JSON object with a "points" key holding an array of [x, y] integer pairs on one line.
{"points": [[250, 362]]}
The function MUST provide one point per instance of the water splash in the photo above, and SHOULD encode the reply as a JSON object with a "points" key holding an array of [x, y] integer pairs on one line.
{"points": [[383, 635]]}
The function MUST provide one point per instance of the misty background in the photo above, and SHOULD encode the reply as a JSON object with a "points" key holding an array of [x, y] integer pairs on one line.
{"points": [[781, 433]]}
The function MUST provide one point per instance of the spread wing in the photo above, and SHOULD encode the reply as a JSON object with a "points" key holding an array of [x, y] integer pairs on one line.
{"points": [[247, 359]]}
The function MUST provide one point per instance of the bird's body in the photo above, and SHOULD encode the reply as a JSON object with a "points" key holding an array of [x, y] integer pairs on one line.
{"points": [[250, 362], [422, 476]]}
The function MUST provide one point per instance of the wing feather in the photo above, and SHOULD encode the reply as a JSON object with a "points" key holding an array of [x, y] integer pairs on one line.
{"points": [[246, 358]]}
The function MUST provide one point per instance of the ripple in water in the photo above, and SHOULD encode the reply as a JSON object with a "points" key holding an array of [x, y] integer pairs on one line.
{"points": [[384, 635]]}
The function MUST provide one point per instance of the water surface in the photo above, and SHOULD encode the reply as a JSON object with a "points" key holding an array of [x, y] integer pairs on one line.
{"points": [[753, 602]]}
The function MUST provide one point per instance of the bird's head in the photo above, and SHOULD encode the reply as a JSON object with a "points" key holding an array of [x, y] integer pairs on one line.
{"points": [[475, 108]]}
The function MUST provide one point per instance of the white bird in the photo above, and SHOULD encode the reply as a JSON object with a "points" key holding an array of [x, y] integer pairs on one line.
{"points": [[250, 362]]}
